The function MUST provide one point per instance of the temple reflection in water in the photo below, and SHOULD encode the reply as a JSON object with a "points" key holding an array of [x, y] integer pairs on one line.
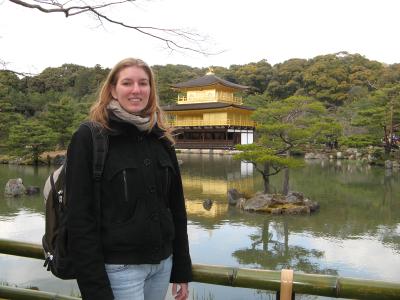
{"points": [[204, 181]]}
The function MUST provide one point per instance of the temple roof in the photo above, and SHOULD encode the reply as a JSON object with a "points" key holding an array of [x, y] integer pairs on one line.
{"points": [[209, 79], [208, 105]]}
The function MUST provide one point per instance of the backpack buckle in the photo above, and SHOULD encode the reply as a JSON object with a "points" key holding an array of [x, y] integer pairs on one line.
{"points": [[49, 258], [60, 196]]}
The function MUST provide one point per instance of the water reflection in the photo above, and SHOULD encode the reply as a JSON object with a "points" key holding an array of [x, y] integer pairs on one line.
{"points": [[360, 206], [10, 206], [214, 175], [270, 249], [31, 176], [209, 178], [355, 233]]}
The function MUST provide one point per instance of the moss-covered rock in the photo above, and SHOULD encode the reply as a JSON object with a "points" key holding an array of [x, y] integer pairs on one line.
{"points": [[294, 203]]}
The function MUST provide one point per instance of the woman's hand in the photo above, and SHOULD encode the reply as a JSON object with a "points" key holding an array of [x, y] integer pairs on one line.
{"points": [[182, 293]]}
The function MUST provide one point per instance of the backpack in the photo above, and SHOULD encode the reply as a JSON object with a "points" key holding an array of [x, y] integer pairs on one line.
{"points": [[54, 241]]}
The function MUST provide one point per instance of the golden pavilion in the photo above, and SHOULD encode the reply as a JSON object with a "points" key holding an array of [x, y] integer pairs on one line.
{"points": [[208, 114]]}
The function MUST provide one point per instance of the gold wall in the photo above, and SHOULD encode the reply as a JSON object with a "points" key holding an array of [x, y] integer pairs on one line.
{"points": [[210, 94], [221, 117], [203, 96], [215, 117]]}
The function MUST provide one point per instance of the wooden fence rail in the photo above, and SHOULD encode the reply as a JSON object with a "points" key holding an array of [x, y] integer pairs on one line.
{"points": [[312, 284], [14, 293]]}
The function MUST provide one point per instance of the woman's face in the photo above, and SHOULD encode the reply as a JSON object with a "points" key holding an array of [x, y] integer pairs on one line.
{"points": [[132, 89]]}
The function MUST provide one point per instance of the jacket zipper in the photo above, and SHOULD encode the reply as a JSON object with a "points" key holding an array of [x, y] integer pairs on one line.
{"points": [[167, 180], [125, 185], [167, 186]]}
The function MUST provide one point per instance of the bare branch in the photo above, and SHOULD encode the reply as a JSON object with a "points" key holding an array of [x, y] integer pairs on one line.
{"points": [[371, 85], [261, 171], [255, 166], [36, 6], [163, 34], [141, 29], [23, 74], [65, 10], [276, 170], [4, 68]]}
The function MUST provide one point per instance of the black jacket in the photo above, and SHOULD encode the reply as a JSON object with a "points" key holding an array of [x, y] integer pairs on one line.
{"points": [[143, 216]]}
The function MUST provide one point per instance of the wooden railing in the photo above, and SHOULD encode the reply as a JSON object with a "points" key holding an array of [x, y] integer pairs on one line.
{"points": [[206, 144], [14, 293], [312, 284], [224, 99], [196, 123]]}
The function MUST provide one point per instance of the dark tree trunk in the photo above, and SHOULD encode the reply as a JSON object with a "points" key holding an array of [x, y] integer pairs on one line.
{"points": [[285, 188], [35, 155], [267, 188]]}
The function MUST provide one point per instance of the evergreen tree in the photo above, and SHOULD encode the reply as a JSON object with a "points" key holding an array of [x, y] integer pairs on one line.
{"points": [[283, 126], [8, 118], [60, 117], [31, 138], [379, 115]]}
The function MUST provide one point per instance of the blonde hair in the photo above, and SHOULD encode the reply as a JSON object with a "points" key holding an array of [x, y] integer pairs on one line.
{"points": [[99, 112]]}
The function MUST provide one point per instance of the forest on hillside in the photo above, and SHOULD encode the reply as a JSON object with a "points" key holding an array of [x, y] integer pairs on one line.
{"points": [[360, 97]]}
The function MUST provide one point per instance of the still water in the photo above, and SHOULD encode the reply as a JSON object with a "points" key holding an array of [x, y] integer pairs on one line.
{"points": [[356, 232]]}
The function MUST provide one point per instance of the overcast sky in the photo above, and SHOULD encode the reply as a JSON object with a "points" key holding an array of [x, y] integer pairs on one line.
{"points": [[247, 31]]}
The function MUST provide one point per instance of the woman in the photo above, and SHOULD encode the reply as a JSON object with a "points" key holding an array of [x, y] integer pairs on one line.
{"points": [[142, 242]]}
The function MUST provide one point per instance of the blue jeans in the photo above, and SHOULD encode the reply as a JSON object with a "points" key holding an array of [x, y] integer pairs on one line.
{"points": [[140, 282]]}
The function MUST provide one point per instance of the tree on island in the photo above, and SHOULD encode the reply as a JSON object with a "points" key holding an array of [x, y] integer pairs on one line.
{"points": [[282, 127]]}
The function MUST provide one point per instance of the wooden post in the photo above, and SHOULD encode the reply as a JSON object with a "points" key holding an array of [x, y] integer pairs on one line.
{"points": [[286, 284]]}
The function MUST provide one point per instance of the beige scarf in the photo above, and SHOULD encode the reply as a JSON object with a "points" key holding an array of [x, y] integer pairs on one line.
{"points": [[142, 123]]}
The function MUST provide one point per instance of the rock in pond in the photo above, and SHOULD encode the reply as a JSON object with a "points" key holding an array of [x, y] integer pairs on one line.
{"points": [[32, 190], [15, 187], [293, 203], [234, 196]]}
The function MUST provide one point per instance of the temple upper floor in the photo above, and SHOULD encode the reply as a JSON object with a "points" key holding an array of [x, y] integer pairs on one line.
{"points": [[209, 95], [209, 88]]}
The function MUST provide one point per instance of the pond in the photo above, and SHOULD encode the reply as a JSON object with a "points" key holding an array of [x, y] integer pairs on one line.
{"points": [[356, 232]]}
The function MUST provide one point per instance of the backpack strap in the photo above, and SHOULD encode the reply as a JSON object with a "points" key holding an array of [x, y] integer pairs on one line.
{"points": [[100, 148]]}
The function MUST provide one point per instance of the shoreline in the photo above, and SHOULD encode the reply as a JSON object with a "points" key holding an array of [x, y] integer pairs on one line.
{"points": [[367, 155]]}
